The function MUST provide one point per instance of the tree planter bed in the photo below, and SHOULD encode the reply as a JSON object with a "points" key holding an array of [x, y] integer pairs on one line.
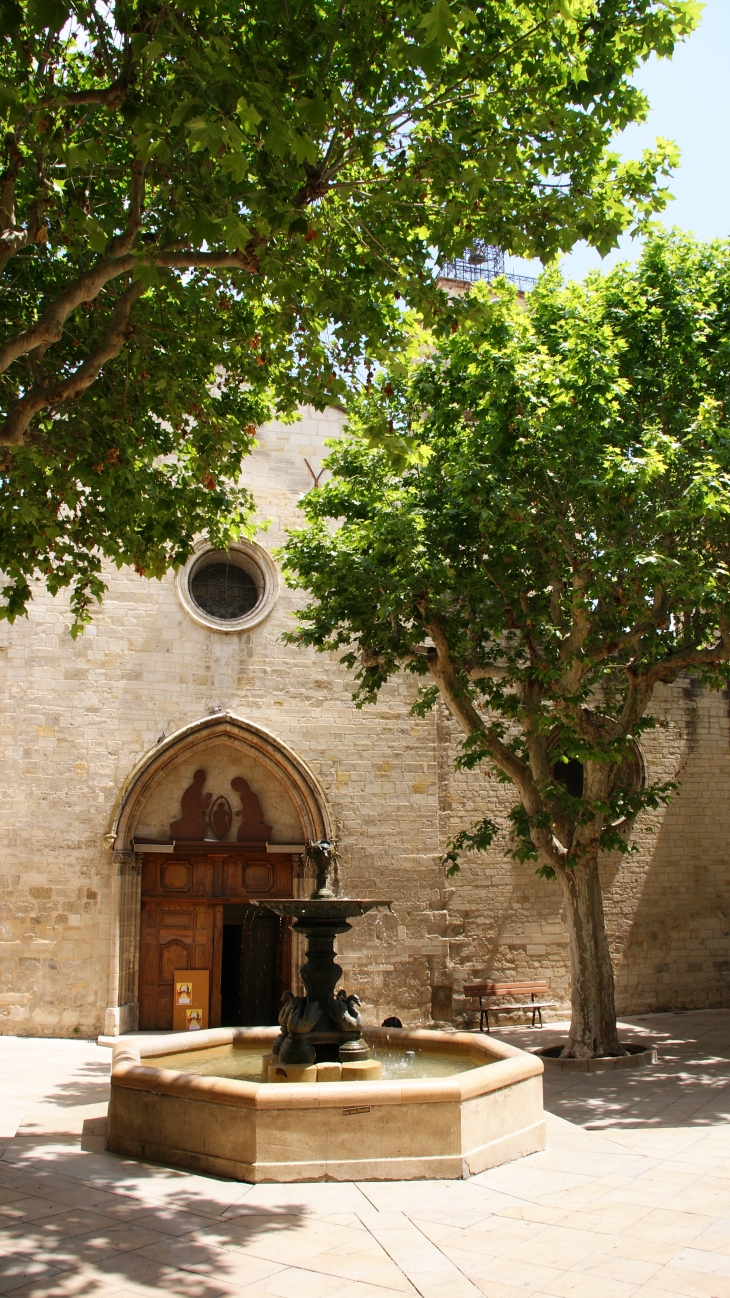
{"points": [[639, 1056]]}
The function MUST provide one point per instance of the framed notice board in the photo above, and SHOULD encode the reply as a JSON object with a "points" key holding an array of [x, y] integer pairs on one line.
{"points": [[190, 1000]]}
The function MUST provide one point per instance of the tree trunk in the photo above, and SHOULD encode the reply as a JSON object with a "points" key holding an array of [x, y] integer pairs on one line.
{"points": [[593, 1031]]}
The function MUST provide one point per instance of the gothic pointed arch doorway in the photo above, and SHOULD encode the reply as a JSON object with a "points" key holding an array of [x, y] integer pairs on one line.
{"points": [[211, 821]]}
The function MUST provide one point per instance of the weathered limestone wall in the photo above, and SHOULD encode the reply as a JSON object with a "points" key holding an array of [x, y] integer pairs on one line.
{"points": [[667, 905], [77, 716]]}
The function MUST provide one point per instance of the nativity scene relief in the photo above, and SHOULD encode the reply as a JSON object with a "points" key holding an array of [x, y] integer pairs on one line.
{"points": [[204, 817]]}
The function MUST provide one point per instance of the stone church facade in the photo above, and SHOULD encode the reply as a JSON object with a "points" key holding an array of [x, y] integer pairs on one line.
{"points": [[161, 774]]}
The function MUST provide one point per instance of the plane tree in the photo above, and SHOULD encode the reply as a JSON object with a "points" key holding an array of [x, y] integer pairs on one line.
{"points": [[211, 210], [531, 516]]}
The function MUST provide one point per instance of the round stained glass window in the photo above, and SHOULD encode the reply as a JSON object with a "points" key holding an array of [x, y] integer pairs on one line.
{"points": [[224, 591]]}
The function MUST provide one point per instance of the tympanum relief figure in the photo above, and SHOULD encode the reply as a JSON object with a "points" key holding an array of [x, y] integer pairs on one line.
{"points": [[200, 820], [194, 807], [252, 828]]}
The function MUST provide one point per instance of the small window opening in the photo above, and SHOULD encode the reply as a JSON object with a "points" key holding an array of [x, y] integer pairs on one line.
{"points": [[224, 590]]}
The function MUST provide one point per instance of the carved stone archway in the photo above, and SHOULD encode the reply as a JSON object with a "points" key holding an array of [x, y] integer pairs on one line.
{"points": [[190, 743]]}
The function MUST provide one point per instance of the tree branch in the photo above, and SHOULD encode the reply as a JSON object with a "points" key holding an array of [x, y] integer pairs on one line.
{"points": [[12, 236], [123, 243], [7, 183], [41, 398], [485, 673], [667, 671], [247, 260], [110, 96], [49, 326]]}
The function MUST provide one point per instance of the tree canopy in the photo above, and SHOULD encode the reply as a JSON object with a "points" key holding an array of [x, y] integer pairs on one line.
{"points": [[209, 211], [533, 519]]}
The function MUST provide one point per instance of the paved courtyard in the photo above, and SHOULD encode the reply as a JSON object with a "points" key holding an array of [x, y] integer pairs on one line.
{"points": [[631, 1197]]}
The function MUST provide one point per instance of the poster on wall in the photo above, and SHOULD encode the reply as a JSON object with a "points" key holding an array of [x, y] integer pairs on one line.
{"points": [[191, 994]]}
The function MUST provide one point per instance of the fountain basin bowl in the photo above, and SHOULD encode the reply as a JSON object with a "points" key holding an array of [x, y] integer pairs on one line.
{"points": [[448, 1127], [322, 910]]}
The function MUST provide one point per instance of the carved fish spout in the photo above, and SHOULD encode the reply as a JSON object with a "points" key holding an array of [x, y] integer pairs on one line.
{"points": [[297, 1015], [344, 1010]]}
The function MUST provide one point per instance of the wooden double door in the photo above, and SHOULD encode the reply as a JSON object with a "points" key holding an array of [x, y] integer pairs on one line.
{"points": [[197, 913]]}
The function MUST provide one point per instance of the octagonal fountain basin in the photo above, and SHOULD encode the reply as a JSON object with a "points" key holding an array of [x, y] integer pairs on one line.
{"points": [[456, 1105]]}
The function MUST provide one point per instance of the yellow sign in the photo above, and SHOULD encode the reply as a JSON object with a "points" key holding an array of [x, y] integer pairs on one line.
{"points": [[191, 1000]]}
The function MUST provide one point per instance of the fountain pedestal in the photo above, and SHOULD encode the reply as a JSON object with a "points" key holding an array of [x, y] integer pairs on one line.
{"points": [[321, 1026]]}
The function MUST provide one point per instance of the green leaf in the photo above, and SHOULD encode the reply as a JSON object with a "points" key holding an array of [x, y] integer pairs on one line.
{"points": [[438, 23], [184, 110], [250, 118], [278, 138], [313, 111], [234, 165], [303, 148], [235, 232], [97, 236], [146, 273], [47, 14], [11, 17]]}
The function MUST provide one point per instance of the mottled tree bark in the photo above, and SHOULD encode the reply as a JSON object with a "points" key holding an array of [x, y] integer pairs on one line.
{"points": [[593, 1030]]}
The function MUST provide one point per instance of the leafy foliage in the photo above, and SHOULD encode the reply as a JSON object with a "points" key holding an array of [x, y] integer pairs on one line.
{"points": [[247, 188], [557, 546]]}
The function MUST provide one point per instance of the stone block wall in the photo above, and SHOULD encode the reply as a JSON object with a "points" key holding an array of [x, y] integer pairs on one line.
{"points": [[77, 716]]}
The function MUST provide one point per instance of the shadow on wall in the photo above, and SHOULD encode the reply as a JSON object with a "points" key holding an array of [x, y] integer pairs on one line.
{"points": [[676, 954], [517, 932]]}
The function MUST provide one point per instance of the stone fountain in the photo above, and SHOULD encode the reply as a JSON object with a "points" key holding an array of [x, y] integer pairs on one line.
{"points": [[322, 1026], [203, 1101]]}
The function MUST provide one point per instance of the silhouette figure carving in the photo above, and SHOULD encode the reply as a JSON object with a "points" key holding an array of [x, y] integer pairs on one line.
{"points": [[194, 806], [252, 828]]}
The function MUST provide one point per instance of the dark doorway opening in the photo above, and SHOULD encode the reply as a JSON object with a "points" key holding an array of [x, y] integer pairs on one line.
{"points": [[251, 982], [231, 976]]}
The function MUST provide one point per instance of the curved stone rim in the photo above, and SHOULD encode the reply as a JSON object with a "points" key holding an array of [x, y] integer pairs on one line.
{"points": [[503, 1065], [321, 911], [258, 563], [448, 1128], [641, 1056]]}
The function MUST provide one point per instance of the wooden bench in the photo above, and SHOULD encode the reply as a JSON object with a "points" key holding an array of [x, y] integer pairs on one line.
{"points": [[531, 989]]}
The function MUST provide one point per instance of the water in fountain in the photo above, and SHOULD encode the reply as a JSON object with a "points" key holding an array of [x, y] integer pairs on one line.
{"points": [[246, 1066]]}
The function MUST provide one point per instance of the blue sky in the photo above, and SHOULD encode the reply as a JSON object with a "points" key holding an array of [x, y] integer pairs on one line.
{"points": [[689, 99]]}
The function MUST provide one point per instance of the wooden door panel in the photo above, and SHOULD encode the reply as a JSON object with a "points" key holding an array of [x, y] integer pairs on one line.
{"points": [[182, 919], [149, 957], [173, 955], [171, 938]]}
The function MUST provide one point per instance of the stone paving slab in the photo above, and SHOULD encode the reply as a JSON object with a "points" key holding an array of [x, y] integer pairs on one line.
{"points": [[630, 1199]]}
